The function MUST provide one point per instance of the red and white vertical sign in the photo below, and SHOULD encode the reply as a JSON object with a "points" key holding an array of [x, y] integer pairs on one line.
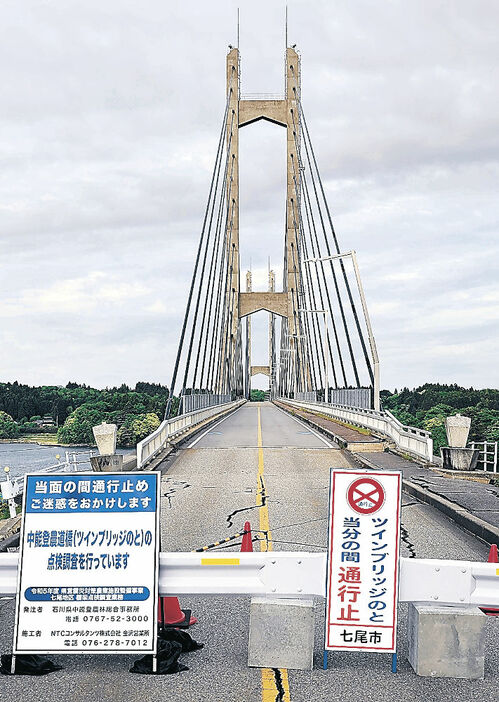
{"points": [[363, 560]]}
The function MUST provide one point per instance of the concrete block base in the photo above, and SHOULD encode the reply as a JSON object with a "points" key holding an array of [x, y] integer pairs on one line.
{"points": [[107, 464], [446, 642], [459, 458], [281, 633]]}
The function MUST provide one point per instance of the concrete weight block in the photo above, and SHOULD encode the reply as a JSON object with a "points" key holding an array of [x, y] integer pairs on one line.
{"points": [[446, 642], [457, 429], [105, 438], [281, 633]]}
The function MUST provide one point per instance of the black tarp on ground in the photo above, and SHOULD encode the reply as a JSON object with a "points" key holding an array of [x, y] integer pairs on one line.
{"points": [[28, 664], [171, 643]]}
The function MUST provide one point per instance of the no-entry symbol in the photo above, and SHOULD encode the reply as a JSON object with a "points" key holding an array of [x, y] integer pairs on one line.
{"points": [[365, 495]]}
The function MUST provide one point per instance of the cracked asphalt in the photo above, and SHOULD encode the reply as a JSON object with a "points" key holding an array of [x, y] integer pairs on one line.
{"points": [[209, 490]]}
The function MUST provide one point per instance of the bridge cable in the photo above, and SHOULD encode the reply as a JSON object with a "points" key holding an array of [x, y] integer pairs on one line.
{"points": [[215, 238], [201, 275], [191, 290], [320, 266], [342, 265]]}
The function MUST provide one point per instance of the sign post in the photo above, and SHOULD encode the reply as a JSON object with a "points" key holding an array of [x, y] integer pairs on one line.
{"points": [[363, 562], [89, 563]]}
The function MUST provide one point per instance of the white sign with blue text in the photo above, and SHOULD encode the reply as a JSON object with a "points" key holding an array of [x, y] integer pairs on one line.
{"points": [[89, 561]]}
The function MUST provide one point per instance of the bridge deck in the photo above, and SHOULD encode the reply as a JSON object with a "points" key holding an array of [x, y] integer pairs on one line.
{"points": [[210, 488]]}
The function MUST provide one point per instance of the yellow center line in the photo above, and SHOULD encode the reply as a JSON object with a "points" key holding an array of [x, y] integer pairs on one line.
{"points": [[270, 678]]}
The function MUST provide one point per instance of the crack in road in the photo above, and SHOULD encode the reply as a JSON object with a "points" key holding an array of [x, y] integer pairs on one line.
{"points": [[278, 683], [404, 535], [261, 491], [175, 486], [237, 511]]}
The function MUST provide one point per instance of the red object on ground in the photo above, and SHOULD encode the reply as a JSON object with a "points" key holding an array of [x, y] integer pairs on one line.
{"points": [[493, 558], [169, 612], [247, 543]]}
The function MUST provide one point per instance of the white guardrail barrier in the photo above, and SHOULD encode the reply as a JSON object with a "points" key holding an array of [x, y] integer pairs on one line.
{"points": [[148, 448], [410, 439], [302, 575]]}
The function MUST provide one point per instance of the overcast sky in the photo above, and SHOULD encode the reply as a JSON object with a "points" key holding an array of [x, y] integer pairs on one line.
{"points": [[109, 117]]}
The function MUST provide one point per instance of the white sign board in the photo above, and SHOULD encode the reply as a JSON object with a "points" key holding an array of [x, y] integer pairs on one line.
{"points": [[363, 560], [89, 557]]}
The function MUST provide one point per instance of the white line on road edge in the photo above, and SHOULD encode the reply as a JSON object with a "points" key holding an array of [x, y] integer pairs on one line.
{"points": [[212, 427], [307, 428]]}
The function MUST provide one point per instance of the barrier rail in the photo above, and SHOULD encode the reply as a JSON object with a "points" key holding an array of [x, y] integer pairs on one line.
{"points": [[11, 488], [410, 439], [302, 575], [488, 457], [191, 403], [148, 448]]}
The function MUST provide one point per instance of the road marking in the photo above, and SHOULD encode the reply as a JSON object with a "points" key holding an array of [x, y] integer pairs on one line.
{"points": [[270, 691], [307, 428], [266, 544], [212, 427], [220, 561]]}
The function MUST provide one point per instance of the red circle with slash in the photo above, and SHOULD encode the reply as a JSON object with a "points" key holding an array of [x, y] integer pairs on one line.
{"points": [[366, 495]]}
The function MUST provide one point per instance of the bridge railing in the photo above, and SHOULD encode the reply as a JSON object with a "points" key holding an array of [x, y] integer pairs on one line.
{"points": [[406, 438], [301, 575], [169, 429]]}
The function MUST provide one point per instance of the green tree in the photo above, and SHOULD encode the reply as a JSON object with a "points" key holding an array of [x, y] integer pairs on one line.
{"points": [[257, 396], [137, 428], [8, 427], [77, 428]]}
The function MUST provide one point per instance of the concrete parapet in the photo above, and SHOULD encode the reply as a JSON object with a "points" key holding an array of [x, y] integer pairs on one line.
{"points": [[105, 437], [457, 429], [281, 633], [446, 642]]}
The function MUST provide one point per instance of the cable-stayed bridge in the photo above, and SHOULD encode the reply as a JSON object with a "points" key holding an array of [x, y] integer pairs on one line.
{"points": [[321, 345], [225, 461]]}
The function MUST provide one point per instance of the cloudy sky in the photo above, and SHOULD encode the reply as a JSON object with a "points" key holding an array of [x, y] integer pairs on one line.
{"points": [[109, 116]]}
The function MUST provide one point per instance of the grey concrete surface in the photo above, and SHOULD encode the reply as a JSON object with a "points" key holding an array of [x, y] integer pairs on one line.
{"points": [[479, 499], [208, 494], [446, 642], [278, 430], [281, 633]]}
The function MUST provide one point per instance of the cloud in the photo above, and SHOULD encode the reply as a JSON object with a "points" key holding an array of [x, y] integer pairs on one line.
{"points": [[109, 127]]}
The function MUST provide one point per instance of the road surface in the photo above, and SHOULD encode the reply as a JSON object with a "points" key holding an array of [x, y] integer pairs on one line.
{"points": [[210, 487]]}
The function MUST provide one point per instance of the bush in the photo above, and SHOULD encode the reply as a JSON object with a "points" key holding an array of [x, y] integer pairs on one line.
{"points": [[137, 428]]}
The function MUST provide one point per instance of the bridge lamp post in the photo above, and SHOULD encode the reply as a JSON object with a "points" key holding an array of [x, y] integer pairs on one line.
{"points": [[372, 343], [325, 344]]}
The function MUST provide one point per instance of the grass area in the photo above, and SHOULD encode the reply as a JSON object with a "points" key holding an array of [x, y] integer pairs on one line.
{"points": [[361, 430], [44, 439]]}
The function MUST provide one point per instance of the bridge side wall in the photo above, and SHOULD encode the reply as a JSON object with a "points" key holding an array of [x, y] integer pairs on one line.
{"points": [[409, 439]]}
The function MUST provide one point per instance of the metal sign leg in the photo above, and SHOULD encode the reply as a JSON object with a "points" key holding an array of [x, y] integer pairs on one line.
{"points": [[13, 665], [324, 660], [394, 662], [154, 663]]}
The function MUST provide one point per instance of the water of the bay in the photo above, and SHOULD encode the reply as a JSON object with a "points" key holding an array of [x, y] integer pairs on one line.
{"points": [[29, 458]]}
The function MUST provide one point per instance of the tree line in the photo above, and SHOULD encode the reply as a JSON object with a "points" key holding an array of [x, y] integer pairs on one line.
{"points": [[77, 408], [427, 406]]}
